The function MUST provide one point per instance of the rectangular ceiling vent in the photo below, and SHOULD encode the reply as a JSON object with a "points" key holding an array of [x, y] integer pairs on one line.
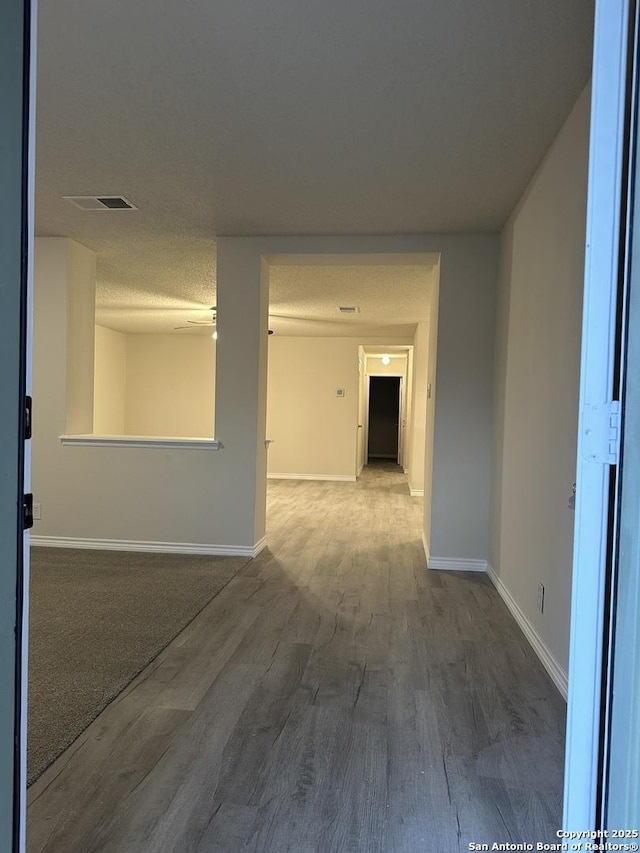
{"points": [[100, 202], [348, 309]]}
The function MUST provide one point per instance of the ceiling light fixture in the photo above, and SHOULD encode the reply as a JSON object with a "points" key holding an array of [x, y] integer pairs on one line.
{"points": [[385, 360]]}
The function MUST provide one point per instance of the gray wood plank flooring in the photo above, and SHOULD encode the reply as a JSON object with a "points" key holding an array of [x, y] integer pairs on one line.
{"points": [[335, 696]]}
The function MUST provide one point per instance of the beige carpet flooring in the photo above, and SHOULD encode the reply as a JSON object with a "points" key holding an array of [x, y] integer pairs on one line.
{"points": [[97, 618]]}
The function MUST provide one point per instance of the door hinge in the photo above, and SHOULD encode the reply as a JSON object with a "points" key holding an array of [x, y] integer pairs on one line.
{"points": [[28, 418], [27, 506], [601, 432]]}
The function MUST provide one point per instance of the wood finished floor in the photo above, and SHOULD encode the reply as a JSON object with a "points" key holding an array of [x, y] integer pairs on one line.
{"points": [[335, 696]]}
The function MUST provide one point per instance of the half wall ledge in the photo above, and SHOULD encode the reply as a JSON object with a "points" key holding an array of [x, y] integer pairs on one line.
{"points": [[141, 441]]}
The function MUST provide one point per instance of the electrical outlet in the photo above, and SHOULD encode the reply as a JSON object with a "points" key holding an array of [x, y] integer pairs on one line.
{"points": [[37, 512], [541, 597]]}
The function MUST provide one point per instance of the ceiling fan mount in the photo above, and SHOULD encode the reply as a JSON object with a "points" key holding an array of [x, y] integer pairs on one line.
{"points": [[213, 322], [192, 323]]}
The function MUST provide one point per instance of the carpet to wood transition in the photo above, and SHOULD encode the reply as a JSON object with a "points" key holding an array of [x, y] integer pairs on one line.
{"points": [[97, 618]]}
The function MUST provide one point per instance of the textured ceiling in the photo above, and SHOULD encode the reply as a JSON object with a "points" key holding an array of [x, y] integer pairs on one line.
{"points": [[304, 300], [290, 117], [391, 299]]}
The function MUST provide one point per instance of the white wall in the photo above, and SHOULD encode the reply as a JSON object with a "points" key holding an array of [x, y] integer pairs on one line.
{"points": [[463, 427], [80, 302], [430, 413], [153, 385], [314, 431], [63, 293], [361, 452], [170, 385], [537, 379], [419, 408], [110, 381], [193, 497], [396, 367]]}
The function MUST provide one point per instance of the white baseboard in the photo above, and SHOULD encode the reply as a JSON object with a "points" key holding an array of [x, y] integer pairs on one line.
{"points": [[416, 493], [337, 478], [149, 547], [457, 564], [260, 545], [556, 672]]}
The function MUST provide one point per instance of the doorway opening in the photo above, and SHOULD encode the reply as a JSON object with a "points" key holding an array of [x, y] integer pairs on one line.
{"points": [[384, 430]]}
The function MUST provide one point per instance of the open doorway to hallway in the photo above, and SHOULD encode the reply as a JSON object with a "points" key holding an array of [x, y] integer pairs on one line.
{"points": [[384, 422], [338, 322]]}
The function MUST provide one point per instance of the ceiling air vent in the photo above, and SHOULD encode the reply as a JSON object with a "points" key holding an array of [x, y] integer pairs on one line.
{"points": [[100, 202], [348, 309]]}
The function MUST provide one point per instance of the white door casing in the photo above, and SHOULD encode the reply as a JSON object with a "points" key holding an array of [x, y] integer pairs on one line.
{"points": [[592, 521]]}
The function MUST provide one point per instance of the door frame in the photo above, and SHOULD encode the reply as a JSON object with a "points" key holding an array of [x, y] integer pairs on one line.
{"points": [[367, 390], [595, 473], [17, 172], [401, 421]]}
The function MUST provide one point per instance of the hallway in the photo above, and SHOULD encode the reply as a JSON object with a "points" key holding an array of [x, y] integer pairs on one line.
{"points": [[335, 696]]}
